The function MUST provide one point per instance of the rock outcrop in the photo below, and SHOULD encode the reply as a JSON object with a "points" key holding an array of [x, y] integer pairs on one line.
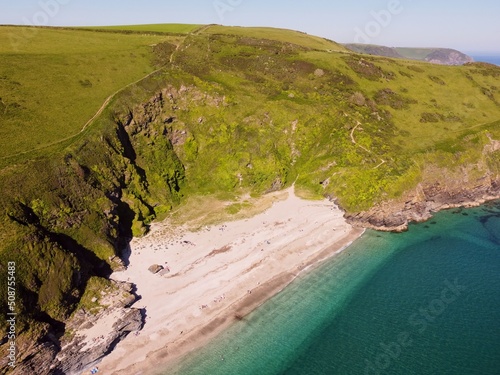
{"points": [[155, 268], [39, 362], [96, 335], [89, 337], [422, 202], [441, 188]]}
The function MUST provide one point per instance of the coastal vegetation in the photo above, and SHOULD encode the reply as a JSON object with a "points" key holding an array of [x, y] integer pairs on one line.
{"points": [[105, 131]]}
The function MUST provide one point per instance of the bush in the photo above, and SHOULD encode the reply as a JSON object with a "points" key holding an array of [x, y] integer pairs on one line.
{"points": [[358, 99]]}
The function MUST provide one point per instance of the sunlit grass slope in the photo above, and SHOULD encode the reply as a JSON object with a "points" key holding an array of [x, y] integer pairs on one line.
{"points": [[280, 35], [353, 126], [53, 81], [170, 28]]}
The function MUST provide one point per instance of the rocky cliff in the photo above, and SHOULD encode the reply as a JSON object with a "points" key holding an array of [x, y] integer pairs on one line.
{"points": [[445, 56], [441, 56], [131, 173], [97, 196], [440, 189], [90, 335]]}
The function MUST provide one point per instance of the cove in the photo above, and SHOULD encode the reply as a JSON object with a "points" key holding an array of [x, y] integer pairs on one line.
{"points": [[425, 301]]}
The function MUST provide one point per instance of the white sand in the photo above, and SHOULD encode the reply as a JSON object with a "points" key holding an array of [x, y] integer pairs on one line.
{"points": [[218, 274]]}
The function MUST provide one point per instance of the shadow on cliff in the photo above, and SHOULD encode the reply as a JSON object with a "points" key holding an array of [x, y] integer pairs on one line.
{"points": [[92, 265], [127, 216]]}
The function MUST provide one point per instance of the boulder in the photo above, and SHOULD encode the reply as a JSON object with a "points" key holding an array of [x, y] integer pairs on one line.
{"points": [[155, 268]]}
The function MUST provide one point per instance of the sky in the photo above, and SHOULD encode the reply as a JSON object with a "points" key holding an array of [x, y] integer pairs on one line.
{"points": [[469, 26]]}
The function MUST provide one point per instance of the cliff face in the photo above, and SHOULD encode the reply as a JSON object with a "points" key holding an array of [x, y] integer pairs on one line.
{"points": [[428, 199], [64, 234], [441, 56], [119, 182], [83, 346]]}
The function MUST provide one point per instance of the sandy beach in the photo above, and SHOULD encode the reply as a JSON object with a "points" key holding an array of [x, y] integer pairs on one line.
{"points": [[217, 275]]}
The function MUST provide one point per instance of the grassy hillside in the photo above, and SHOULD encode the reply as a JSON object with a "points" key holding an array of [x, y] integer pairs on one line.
{"points": [[303, 106], [231, 111], [414, 53], [280, 35], [170, 28], [372, 49], [53, 81]]}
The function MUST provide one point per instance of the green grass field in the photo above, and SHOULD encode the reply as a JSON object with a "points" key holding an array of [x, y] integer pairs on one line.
{"points": [[53, 81], [452, 94]]}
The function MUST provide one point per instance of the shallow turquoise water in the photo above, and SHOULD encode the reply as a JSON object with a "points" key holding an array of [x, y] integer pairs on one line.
{"points": [[423, 302]]}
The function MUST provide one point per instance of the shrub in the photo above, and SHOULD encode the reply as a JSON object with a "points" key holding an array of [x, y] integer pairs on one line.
{"points": [[358, 99]]}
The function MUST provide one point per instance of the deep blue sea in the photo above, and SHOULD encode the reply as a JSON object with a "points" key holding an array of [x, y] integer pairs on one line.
{"points": [[489, 59], [418, 303]]}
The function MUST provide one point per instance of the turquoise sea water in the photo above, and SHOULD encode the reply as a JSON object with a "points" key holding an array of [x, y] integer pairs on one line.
{"points": [[423, 302]]}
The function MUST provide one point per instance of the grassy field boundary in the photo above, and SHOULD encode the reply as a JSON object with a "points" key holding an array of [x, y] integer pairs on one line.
{"points": [[160, 29]]}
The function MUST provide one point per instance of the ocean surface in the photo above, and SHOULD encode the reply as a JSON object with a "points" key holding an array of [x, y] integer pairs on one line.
{"points": [[422, 302], [489, 59]]}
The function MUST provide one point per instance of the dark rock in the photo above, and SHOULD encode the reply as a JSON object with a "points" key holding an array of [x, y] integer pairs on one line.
{"points": [[74, 359], [131, 321], [155, 268], [75, 356]]}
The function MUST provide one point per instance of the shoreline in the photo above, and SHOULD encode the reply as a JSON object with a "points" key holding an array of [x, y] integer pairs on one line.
{"points": [[218, 275], [420, 205], [234, 313]]}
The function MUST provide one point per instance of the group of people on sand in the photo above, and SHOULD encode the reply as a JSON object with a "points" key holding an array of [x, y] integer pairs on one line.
{"points": [[219, 299], [216, 300]]}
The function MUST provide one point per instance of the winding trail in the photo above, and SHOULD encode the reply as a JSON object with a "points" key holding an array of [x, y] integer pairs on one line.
{"points": [[113, 95], [87, 124], [103, 106], [382, 161], [354, 141], [201, 29], [358, 124]]}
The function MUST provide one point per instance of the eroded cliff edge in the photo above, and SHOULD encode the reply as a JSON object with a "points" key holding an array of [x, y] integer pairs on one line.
{"points": [[467, 186]]}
